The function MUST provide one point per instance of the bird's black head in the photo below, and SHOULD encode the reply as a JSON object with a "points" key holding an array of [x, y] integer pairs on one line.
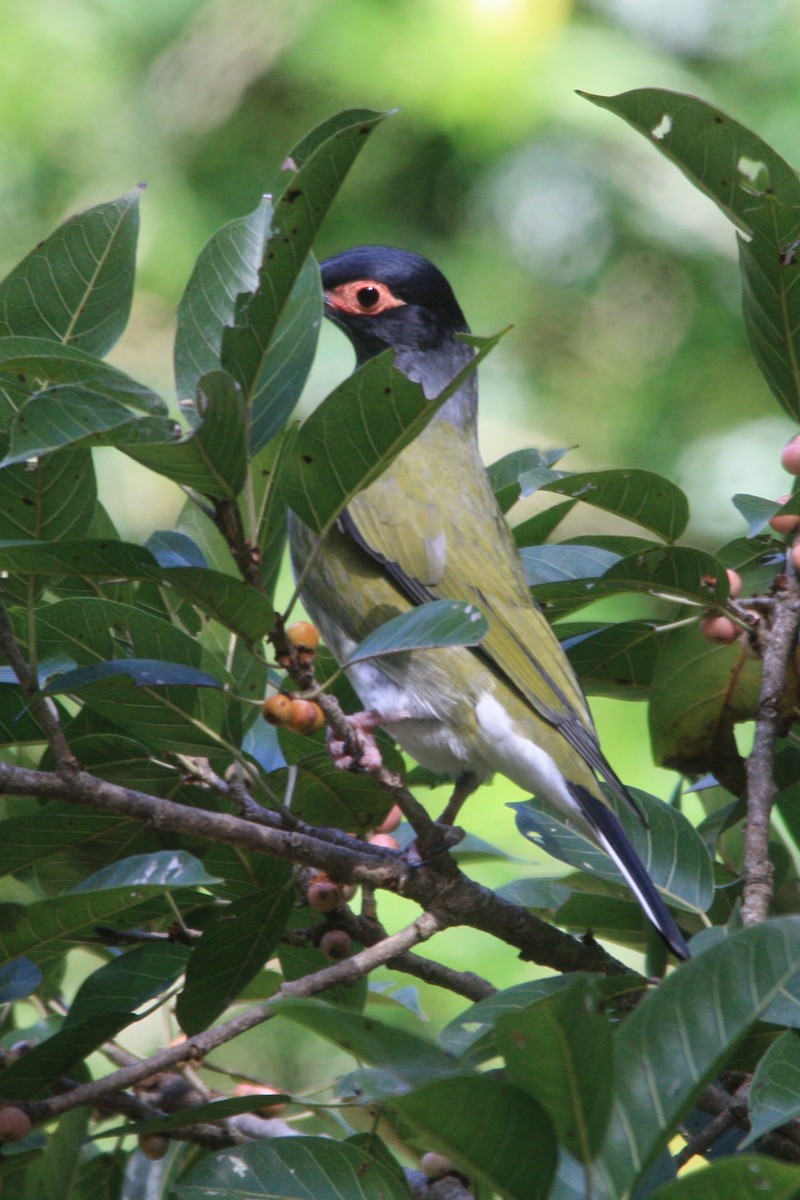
{"points": [[386, 298]]}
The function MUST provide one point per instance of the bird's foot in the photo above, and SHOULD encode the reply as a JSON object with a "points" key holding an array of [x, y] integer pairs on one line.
{"points": [[359, 749]]}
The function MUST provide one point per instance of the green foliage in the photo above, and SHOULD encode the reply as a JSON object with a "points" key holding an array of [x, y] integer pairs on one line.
{"points": [[153, 659]]}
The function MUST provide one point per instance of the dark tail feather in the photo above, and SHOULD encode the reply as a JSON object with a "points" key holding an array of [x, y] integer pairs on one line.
{"points": [[614, 840]]}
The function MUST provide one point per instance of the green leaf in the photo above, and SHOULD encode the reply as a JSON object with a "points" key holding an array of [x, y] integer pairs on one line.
{"points": [[556, 564], [640, 496], [233, 948], [35, 1071], [269, 347], [57, 1174], [406, 1059], [537, 529], [760, 193], [757, 511], [143, 672], [77, 285], [668, 846], [127, 982], [227, 265], [716, 153], [774, 1096], [234, 603], [300, 1168], [216, 1110], [740, 1176], [55, 498], [511, 475], [212, 459], [18, 979], [68, 416], [439, 623], [470, 1035], [558, 1050], [612, 660], [289, 359], [698, 694], [679, 1036], [166, 869], [493, 1131], [676, 572], [324, 795], [353, 436]]}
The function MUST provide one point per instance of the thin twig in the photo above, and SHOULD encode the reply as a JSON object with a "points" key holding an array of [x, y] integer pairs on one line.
{"points": [[42, 707], [195, 1048], [761, 788]]}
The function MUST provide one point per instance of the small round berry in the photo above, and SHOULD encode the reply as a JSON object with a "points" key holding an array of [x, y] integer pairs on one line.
{"points": [[153, 1145], [303, 636], [323, 894], [15, 1125], [436, 1165], [786, 522], [307, 717], [790, 456], [277, 709], [391, 821], [384, 839], [718, 628], [335, 944]]}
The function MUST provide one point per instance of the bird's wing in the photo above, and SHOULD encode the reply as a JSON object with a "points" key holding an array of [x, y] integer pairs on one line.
{"points": [[463, 550]]}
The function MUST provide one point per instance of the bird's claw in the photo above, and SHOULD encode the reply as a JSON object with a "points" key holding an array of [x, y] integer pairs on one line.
{"points": [[359, 750]]}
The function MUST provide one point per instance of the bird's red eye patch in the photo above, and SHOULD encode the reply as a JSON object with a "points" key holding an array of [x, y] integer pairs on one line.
{"points": [[362, 298]]}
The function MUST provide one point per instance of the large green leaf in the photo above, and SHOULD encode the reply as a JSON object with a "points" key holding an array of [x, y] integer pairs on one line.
{"points": [[494, 1131], [679, 1037], [760, 193], [129, 981], [437, 624], [640, 496], [48, 928], [36, 1071], [699, 692], [775, 1091], [53, 498], [212, 459], [745, 1175], [232, 602], [227, 265], [269, 346], [558, 1050], [351, 438], [292, 1168], [521, 472], [77, 285], [669, 846], [612, 660], [70, 415], [233, 948]]}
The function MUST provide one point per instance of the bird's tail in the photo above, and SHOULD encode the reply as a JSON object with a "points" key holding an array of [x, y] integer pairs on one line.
{"points": [[614, 840]]}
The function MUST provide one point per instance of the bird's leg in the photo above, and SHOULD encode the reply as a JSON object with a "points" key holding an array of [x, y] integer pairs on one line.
{"points": [[464, 786]]}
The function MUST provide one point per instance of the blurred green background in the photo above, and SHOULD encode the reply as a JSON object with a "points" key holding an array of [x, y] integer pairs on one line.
{"points": [[620, 280], [547, 213]]}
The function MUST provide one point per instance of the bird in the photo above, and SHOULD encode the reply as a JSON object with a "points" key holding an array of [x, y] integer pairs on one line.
{"points": [[430, 528]]}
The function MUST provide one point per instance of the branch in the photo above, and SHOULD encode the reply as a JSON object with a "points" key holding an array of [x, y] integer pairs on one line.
{"points": [[761, 789], [451, 896], [346, 972], [41, 706]]}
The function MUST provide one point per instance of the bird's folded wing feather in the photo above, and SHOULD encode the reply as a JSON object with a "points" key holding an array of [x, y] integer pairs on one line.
{"points": [[466, 553]]}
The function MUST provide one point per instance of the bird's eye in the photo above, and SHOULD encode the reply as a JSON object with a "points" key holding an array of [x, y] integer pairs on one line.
{"points": [[368, 297]]}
